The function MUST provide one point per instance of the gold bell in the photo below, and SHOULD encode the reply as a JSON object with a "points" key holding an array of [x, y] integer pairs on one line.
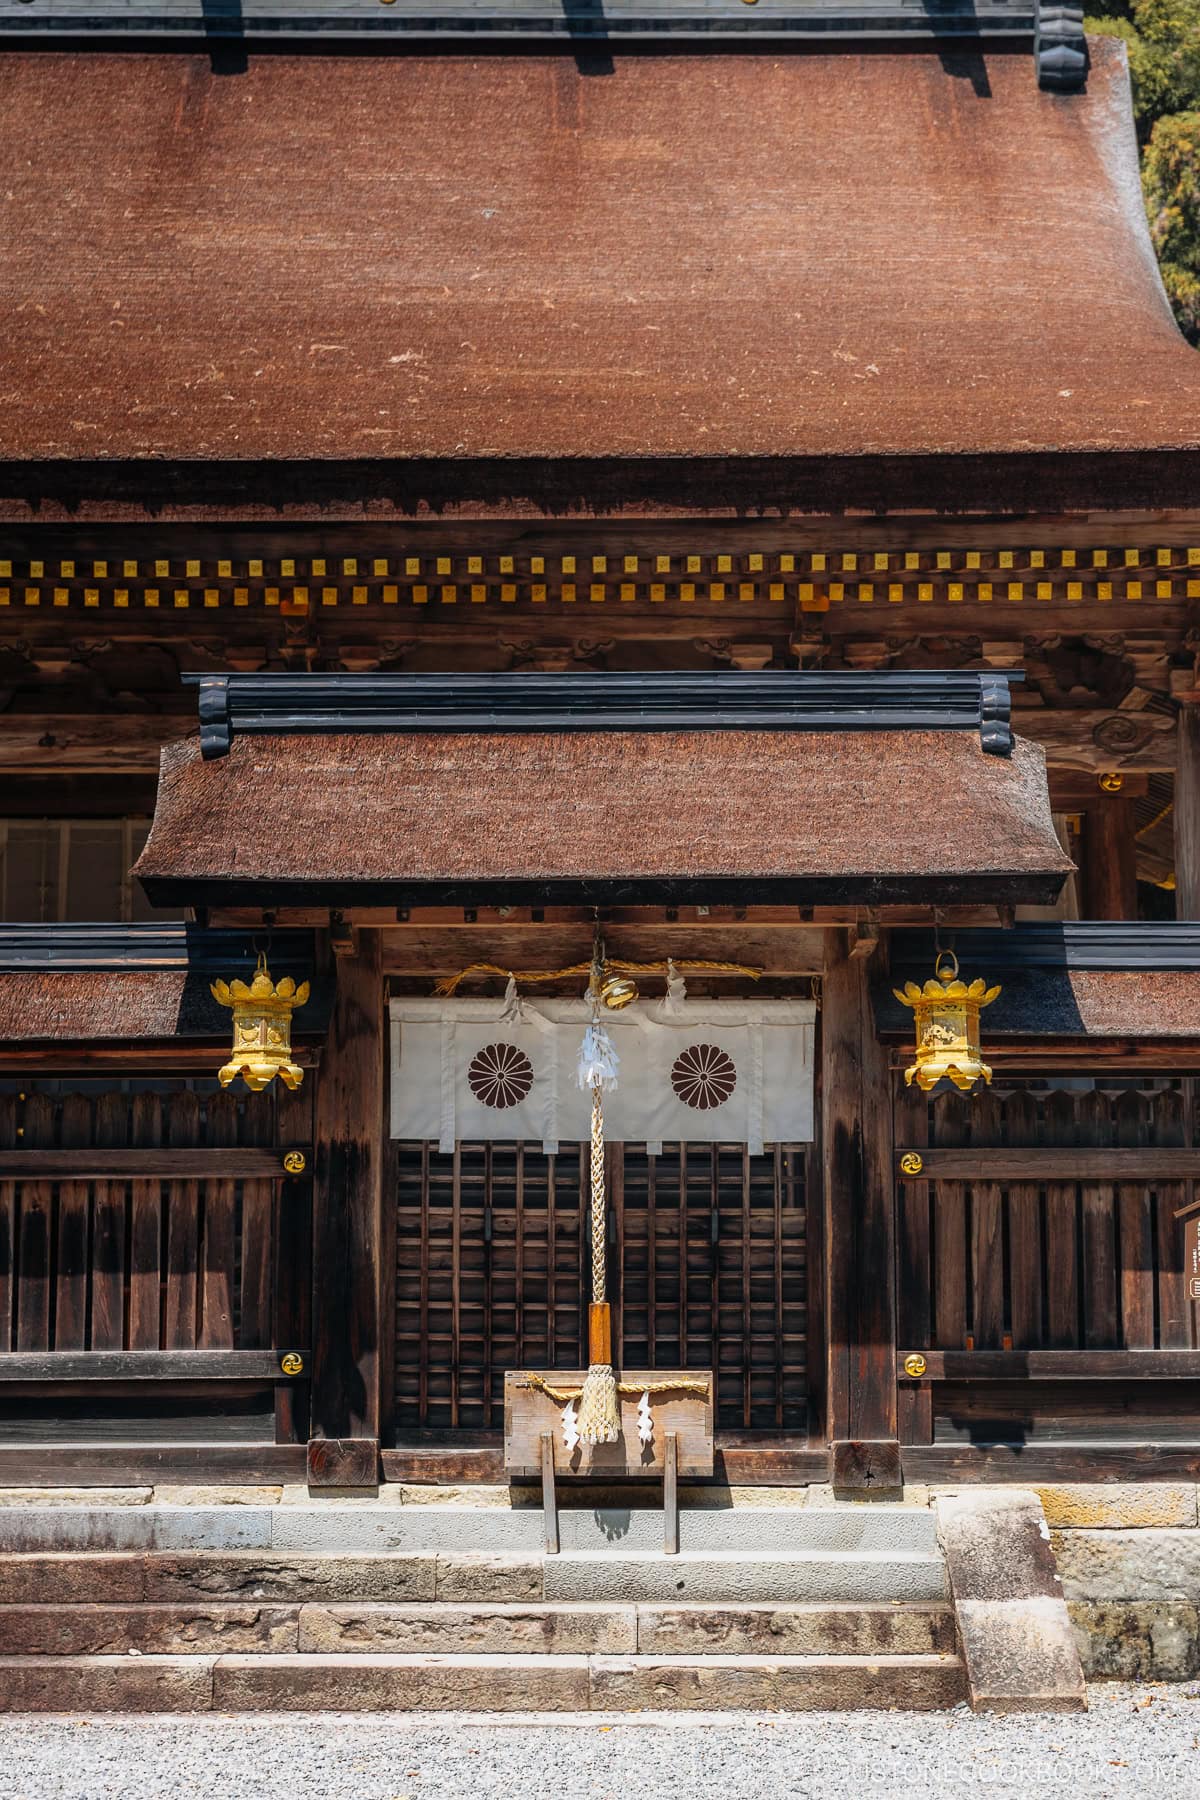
{"points": [[618, 992], [262, 1028], [947, 1012]]}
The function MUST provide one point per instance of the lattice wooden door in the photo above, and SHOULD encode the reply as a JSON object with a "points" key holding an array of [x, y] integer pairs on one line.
{"points": [[708, 1265]]}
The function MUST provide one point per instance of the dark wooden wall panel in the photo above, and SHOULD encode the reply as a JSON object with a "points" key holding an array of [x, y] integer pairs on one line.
{"points": [[1064, 1264], [147, 1261]]}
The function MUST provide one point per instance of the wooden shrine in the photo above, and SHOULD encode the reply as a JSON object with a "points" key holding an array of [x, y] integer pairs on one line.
{"points": [[417, 568]]}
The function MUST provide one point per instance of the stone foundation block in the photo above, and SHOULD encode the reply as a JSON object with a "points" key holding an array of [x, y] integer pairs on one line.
{"points": [[1111, 1506], [485, 1498], [36, 1580], [471, 1630], [491, 1578], [84, 1684], [154, 1630], [218, 1496], [1130, 1640], [68, 1496], [254, 1576], [643, 1684], [820, 1493], [708, 1630], [134, 1528], [835, 1575], [1148, 1564], [298, 1493], [401, 1684], [849, 1684]]}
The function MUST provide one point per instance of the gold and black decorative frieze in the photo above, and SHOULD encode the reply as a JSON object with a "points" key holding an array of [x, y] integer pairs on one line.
{"points": [[803, 580]]}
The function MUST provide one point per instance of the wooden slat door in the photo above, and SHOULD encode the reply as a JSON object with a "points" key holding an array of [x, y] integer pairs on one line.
{"points": [[707, 1269]]}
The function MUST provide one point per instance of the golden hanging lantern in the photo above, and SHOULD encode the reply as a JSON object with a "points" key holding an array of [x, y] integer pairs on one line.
{"points": [[262, 1028], [947, 1011], [618, 992]]}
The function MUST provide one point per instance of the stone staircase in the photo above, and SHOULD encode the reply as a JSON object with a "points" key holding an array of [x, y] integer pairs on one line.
{"points": [[359, 1606]]}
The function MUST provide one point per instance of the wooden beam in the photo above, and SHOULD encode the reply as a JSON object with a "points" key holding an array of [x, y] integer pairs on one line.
{"points": [[87, 1165], [1069, 1164], [776, 950], [1100, 740], [859, 1229], [1073, 790], [145, 1465], [1025, 1463], [1038, 1056], [1187, 816], [64, 743], [348, 1200], [740, 1459], [152, 1365], [1058, 1365]]}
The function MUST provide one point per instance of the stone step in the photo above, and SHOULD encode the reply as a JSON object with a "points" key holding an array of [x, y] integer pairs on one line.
{"points": [[574, 1628], [478, 1683], [364, 1529], [872, 1575], [36, 1578]]}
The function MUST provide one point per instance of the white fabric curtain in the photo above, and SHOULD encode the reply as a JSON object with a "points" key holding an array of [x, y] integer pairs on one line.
{"points": [[700, 1071]]}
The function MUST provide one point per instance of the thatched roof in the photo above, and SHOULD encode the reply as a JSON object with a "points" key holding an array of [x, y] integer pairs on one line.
{"points": [[794, 815], [421, 261]]}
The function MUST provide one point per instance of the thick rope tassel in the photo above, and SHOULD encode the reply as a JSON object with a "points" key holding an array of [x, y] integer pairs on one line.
{"points": [[599, 1410]]}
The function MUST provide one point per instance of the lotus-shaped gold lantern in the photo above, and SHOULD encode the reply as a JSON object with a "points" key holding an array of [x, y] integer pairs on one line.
{"points": [[262, 1028], [947, 1011]]}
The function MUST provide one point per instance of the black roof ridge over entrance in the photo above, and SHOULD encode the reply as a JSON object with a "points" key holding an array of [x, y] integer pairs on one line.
{"points": [[168, 944], [1065, 944], [796, 700], [1054, 27]]}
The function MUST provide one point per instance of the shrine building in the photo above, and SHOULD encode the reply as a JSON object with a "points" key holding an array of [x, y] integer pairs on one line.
{"points": [[599, 835]]}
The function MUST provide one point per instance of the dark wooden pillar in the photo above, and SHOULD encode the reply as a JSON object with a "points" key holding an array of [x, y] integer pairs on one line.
{"points": [[1187, 815], [1110, 857], [343, 1450], [860, 1311]]}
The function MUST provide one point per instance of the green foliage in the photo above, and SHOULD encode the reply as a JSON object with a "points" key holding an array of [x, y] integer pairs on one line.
{"points": [[1163, 40], [1171, 178]]}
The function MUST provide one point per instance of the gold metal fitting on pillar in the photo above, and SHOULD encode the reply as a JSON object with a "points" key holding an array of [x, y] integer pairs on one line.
{"points": [[1111, 781], [915, 1366], [262, 1028], [946, 1012]]}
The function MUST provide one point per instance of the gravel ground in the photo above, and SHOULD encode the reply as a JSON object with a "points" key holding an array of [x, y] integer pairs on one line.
{"points": [[1139, 1740]]}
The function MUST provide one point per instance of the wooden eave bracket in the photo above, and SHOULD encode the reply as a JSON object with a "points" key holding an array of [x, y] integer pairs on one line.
{"points": [[864, 936]]}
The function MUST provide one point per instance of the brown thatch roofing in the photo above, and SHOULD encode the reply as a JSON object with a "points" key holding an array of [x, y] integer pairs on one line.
{"points": [[90, 1005], [136, 984], [1068, 1003], [397, 259], [874, 815]]}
